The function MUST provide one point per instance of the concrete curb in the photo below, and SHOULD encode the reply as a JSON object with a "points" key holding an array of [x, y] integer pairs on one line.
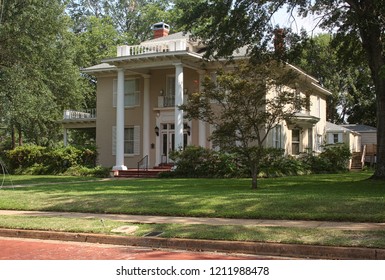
{"points": [[258, 248]]}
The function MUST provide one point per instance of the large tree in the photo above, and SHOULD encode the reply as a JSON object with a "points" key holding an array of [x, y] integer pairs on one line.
{"points": [[132, 19], [346, 76], [228, 24], [244, 102], [38, 78]]}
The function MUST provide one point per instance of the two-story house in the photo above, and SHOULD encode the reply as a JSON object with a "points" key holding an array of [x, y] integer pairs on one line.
{"points": [[138, 93]]}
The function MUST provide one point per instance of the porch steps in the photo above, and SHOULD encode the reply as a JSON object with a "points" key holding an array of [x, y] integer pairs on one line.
{"points": [[356, 164], [142, 173]]}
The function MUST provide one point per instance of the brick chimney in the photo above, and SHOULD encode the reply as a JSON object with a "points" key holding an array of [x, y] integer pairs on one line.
{"points": [[160, 29], [279, 41]]}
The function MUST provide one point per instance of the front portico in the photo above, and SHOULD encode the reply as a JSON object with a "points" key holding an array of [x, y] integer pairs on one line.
{"points": [[153, 70]]}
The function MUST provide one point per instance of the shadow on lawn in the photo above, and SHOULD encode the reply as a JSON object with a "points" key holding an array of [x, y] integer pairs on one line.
{"points": [[277, 199]]}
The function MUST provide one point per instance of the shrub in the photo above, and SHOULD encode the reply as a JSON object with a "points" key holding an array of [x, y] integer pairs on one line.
{"points": [[25, 156], [338, 155], [201, 162], [276, 164], [32, 159], [334, 158], [98, 171]]}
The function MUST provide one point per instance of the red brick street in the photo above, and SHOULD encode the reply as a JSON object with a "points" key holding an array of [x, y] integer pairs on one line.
{"points": [[33, 249]]}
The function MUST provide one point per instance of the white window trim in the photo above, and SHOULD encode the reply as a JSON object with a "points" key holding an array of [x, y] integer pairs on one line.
{"points": [[277, 136], [136, 141], [114, 93]]}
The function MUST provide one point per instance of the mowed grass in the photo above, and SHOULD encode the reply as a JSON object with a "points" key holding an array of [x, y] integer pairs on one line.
{"points": [[337, 197], [312, 236]]}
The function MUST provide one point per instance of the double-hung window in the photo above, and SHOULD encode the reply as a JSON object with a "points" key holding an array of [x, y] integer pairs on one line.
{"points": [[131, 93], [295, 141], [277, 137], [131, 140]]}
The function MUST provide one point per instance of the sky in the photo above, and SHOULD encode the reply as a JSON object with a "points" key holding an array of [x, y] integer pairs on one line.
{"points": [[283, 19]]}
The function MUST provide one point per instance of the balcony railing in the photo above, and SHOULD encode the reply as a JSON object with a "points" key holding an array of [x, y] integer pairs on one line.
{"points": [[147, 48], [79, 115], [169, 101]]}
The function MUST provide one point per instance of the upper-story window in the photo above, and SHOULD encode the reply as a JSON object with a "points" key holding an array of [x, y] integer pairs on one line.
{"points": [[277, 142], [131, 93], [307, 103], [297, 102]]}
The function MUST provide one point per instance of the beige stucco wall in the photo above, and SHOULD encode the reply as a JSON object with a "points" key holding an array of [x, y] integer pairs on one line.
{"points": [[106, 116], [106, 113]]}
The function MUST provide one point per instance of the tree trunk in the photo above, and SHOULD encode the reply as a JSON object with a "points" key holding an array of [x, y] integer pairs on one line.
{"points": [[20, 136], [254, 176], [13, 137], [371, 40]]}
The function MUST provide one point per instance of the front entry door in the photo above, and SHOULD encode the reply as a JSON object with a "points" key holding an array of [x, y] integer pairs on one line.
{"points": [[168, 142]]}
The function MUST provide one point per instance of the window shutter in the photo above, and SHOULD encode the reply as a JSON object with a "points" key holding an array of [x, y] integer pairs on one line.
{"points": [[340, 140], [114, 140], [136, 140], [278, 131]]}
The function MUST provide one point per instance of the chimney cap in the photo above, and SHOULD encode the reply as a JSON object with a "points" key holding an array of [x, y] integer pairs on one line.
{"points": [[160, 25]]}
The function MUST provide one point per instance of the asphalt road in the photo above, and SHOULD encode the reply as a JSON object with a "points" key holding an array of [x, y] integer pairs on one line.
{"points": [[33, 249]]}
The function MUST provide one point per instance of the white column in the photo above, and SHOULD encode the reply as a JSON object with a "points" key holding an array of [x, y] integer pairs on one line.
{"points": [[178, 102], [65, 137], [146, 117], [202, 125], [119, 163]]}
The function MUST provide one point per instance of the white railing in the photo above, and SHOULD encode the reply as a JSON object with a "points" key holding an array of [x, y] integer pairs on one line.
{"points": [[76, 115], [147, 48], [169, 101]]}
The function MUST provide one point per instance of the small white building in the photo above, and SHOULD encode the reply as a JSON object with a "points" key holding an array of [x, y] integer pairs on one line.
{"points": [[336, 134]]}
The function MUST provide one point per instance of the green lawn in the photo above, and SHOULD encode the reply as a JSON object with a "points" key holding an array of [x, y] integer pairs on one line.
{"points": [[14, 180], [313, 236], [341, 197]]}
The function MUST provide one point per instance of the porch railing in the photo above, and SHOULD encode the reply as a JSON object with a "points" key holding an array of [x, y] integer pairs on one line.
{"points": [[143, 164], [77, 115], [169, 101], [147, 48]]}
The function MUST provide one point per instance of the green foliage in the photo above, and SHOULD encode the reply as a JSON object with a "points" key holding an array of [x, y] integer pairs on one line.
{"points": [[25, 156], [206, 163], [242, 111], [198, 162], [335, 158], [38, 77], [338, 156], [348, 78], [276, 164], [32, 159], [83, 171]]}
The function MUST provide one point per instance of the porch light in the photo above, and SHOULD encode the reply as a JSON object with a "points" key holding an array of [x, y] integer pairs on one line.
{"points": [[157, 130]]}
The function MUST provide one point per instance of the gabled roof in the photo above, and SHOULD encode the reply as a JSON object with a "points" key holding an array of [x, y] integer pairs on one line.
{"points": [[360, 127], [102, 67], [331, 127]]}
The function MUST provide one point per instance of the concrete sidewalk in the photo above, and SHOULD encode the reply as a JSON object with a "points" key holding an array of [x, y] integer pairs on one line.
{"points": [[208, 221]]}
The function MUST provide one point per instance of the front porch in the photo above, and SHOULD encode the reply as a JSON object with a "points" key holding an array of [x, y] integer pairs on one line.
{"points": [[73, 119]]}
